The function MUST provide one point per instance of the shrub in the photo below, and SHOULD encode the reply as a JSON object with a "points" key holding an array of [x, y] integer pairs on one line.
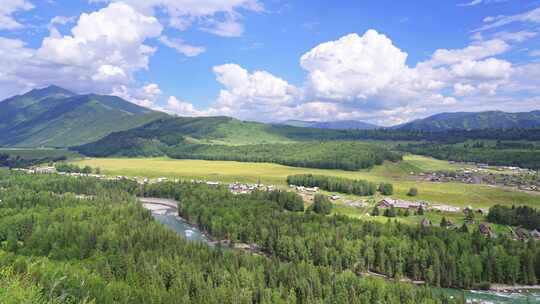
{"points": [[412, 192]]}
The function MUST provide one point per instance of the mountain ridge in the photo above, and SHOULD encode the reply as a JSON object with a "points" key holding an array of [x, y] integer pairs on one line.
{"points": [[56, 117], [473, 121]]}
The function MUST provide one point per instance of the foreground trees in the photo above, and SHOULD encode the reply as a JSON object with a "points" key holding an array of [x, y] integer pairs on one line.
{"points": [[439, 256], [106, 248]]}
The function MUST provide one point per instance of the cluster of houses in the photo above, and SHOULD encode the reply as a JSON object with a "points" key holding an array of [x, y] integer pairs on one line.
{"points": [[238, 188], [485, 166], [302, 189], [410, 205], [37, 170], [400, 204], [465, 176], [524, 234], [519, 234], [527, 180]]}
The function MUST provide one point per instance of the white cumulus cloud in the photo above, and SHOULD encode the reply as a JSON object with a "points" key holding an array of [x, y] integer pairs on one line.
{"points": [[367, 77], [477, 50], [104, 50], [8, 8], [353, 67], [183, 13]]}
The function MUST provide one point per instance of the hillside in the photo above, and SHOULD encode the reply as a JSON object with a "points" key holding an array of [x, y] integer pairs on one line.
{"points": [[159, 136], [333, 125], [224, 138], [55, 117], [471, 121]]}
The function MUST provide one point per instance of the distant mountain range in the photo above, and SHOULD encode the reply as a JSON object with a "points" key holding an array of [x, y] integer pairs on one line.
{"points": [[474, 121], [55, 117], [333, 125], [439, 122]]}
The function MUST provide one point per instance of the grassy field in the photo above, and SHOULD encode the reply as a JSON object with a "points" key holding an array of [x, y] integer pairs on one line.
{"points": [[456, 194], [32, 153]]}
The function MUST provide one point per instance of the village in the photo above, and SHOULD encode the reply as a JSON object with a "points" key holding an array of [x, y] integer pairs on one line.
{"points": [[514, 177], [308, 193]]}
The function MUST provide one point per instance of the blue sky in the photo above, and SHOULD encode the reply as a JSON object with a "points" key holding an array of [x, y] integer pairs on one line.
{"points": [[384, 62]]}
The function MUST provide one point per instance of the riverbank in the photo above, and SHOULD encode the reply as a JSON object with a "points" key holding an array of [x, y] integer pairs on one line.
{"points": [[162, 207], [513, 288]]}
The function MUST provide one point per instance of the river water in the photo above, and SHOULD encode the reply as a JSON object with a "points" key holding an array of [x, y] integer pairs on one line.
{"points": [[486, 297], [165, 213]]}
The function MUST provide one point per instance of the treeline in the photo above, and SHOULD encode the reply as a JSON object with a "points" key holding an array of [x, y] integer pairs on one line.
{"points": [[450, 136], [16, 161], [110, 250], [334, 184], [69, 168], [344, 155], [524, 158], [523, 216], [514, 145], [439, 256]]}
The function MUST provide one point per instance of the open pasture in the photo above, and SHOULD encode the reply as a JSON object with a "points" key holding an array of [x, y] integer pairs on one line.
{"points": [[457, 194]]}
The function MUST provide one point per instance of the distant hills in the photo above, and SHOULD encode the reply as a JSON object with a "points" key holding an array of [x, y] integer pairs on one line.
{"points": [[332, 125], [55, 117], [165, 134], [439, 122], [474, 121]]}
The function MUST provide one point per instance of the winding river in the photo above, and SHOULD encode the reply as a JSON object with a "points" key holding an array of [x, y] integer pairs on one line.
{"points": [[165, 211]]}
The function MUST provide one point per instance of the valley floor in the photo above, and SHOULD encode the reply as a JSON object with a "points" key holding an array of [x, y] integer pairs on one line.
{"points": [[456, 194]]}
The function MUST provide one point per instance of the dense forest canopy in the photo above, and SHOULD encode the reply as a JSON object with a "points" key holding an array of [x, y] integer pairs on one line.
{"points": [[439, 256], [105, 248]]}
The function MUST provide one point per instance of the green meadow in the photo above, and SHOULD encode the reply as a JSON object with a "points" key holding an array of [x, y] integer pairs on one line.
{"points": [[457, 194]]}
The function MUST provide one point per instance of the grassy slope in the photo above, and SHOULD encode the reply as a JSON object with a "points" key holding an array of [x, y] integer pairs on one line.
{"points": [[86, 124], [152, 139], [452, 193], [52, 118], [237, 132]]}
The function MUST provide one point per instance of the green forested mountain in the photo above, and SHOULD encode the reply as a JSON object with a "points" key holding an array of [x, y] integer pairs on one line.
{"points": [[156, 137], [55, 117], [471, 121]]}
